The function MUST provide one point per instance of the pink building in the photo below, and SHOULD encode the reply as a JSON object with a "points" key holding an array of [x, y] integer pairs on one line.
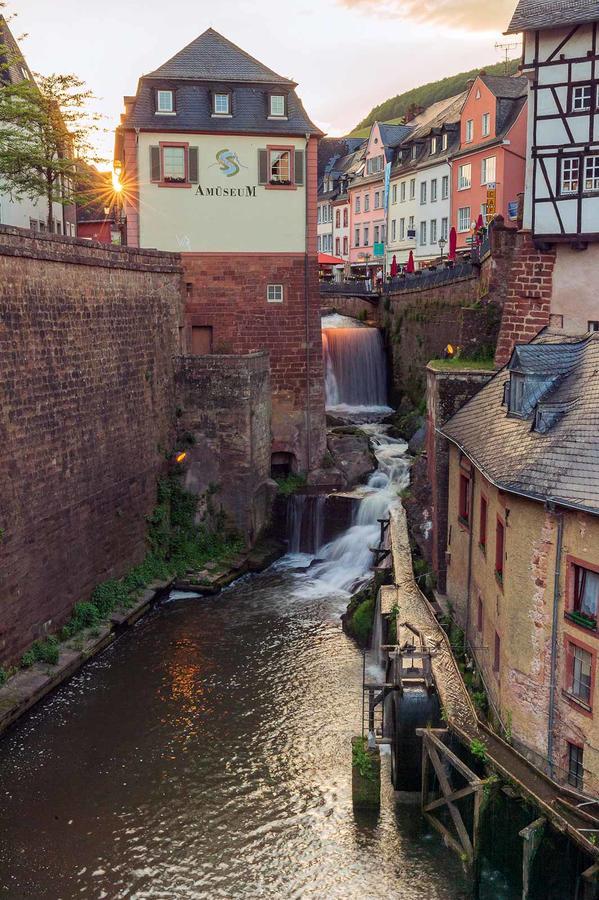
{"points": [[368, 217]]}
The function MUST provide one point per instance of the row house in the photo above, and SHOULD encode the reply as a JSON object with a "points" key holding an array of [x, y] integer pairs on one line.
{"points": [[561, 204], [219, 163], [25, 212], [368, 196], [523, 548], [488, 168], [419, 205]]}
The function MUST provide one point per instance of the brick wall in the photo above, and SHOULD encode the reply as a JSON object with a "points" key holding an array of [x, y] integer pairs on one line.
{"points": [[528, 297], [224, 402], [229, 296], [87, 409]]}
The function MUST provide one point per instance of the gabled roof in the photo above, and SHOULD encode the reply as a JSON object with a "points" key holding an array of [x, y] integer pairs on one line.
{"points": [[506, 87], [211, 57], [12, 62], [560, 460], [532, 15], [393, 135]]}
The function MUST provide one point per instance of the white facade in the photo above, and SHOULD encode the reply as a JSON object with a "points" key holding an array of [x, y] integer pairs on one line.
{"points": [[562, 184], [26, 213], [324, 230], [341, 220], [419, 213]]}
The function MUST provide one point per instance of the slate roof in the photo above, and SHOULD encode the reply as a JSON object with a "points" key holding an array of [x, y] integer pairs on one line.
{"points": [[393, 135], [508, 87], [561, 464], [212, 57], [211, 61], [531, 15], [11, 57]]}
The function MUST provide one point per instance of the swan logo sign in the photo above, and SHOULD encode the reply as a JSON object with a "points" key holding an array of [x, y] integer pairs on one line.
{"points": [[229, 165]]}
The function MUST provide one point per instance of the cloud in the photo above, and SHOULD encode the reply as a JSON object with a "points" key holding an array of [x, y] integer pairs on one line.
{"points": [[471, 15]]}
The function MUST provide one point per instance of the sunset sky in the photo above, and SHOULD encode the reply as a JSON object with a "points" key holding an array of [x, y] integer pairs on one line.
{"points": [[346, 55]]}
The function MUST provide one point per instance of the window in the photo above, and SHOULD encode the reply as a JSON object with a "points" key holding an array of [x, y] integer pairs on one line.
{"points": [[585, 594], [581, 98], [383, 232], [414, 151], [579, 672], [279, 167], [394, 194], [483, 211], [575, 766], [464, 177], [164, 102], [338, 246], [393, 229], [433, 145], [411, 231], [445, 187], [487, 170], [337, 218], [486, 125], [464, 499], [358, 203], [464, 219], [345, 217], [591, 173], [433, 231], [274, 293], [422, 234], [434, 190], [320, 215], [402, 192], [479, 615], [517, 387], [374, 165], [278, 106], [33, 227], [593, 326], [444, 228], [376, 234], [499, 549], [345, 246], [366, 202], [366, 235], [222, 105], [482, 525], [173, 165], [444, 142], [412, 188], [377, 200], [402, 229], [497, 653], [423, 193], [469, 131], [570, 172], [357, 237], [319, 243]]}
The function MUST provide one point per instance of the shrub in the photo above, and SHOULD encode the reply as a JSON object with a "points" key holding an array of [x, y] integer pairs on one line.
{"points": [[3, 676], [478, 750], [46, 651], [28, 658], [290, 484]]}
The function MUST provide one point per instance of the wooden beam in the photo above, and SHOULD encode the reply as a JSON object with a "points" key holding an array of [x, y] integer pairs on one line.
{"points": [[456, 795], [424, 782], [468, 774], [445, 834], [453, 810]]}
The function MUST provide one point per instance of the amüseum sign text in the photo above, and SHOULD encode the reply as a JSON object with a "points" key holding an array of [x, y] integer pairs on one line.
{"points": [[247, 191]]}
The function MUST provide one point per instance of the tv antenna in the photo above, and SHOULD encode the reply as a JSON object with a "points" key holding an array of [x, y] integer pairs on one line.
{"points": [[505, 48]]}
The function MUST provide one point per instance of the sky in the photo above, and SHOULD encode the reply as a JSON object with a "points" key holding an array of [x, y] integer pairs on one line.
{"points": [[346, 55]]}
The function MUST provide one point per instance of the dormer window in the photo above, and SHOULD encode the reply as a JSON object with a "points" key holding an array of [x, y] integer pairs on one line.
{"points": [[414, 151], [433, 145], [444, 142], [515, 397], [277, 106], [221, 104], [165, 102]]}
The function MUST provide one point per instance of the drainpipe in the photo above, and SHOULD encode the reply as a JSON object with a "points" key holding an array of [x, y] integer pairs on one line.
{"points": [[307, 314], [550, 506], [470, 534]]}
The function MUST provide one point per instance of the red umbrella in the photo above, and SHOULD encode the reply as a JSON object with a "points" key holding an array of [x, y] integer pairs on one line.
{"points": [[410, 265], [394, 266], [453, 242], [480, 223]]}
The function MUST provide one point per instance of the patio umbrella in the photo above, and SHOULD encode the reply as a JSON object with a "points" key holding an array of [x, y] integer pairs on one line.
{"points": [[410, 265], [394, 266], [480, 222], [453, 242]]}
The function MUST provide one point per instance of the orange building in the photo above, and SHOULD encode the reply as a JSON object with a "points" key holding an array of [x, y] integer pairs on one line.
{"points": [[492, 154]]}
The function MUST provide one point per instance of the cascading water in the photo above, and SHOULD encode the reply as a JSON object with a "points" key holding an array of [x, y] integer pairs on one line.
{"points": [[355, 372], [305, 522]]}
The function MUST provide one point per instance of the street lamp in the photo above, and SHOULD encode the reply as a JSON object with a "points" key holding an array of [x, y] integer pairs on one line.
{"points": [[442, 243]]}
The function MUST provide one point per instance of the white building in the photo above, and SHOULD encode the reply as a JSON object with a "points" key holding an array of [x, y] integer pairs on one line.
{"points": [[420, 196], [561, 204]]}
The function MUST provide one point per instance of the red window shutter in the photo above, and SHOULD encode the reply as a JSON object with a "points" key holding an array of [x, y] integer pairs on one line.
{"points": [[262, 166], [483, 522], [299, 167], [193, 165], [155, 174]]}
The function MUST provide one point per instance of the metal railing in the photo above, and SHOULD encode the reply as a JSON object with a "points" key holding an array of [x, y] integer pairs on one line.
{"points": [[349, 288], [426, 278]]}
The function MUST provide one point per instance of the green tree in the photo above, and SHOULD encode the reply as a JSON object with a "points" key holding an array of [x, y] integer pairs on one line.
{"points": [[45, 126]]}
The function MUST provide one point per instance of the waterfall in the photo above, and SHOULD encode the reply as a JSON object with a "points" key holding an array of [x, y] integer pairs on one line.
{"points": [[305, 522], [355, 370]]}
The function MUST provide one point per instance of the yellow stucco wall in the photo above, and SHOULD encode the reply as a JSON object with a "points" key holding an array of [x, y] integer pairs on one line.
{"points": [[184, 220], [520, 611]]}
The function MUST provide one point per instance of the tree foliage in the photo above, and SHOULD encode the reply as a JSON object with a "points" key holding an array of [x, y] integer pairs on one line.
{"points": [[423, 96], [45, 126]]}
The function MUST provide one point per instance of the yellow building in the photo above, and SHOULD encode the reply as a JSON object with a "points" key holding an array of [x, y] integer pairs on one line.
{"points": [[523, 548]]}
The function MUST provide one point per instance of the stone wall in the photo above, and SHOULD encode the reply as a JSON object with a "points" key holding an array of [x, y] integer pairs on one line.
{"points": [[87, 334], [224, 405], [229, 302], [366, 309]]}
